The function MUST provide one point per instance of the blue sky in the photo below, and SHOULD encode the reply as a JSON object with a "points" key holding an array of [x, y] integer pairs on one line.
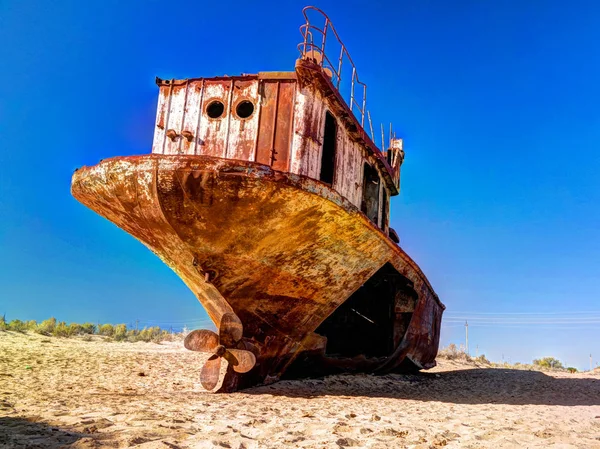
{"points": [[497, 103]]}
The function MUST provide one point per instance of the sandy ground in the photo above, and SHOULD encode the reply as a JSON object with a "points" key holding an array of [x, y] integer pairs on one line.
{"points": [[72, 393]]}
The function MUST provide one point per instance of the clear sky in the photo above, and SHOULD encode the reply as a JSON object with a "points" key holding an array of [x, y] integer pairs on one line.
{"points": [[498, 103]]}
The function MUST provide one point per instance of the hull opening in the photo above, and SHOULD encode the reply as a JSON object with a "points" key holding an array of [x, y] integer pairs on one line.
{"points": [[374, 319]]}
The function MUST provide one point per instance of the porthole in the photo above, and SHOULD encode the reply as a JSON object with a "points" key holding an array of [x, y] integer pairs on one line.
{"points": [[244, 109], [215, 109]]}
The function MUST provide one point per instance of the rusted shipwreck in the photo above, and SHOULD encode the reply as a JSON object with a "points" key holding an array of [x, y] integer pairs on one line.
{"points": [[266, 195]]}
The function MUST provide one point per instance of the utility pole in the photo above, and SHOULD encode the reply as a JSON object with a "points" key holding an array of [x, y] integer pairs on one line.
{"points": [[477, 351], [136, 325], [591, 366], [467, 337]]}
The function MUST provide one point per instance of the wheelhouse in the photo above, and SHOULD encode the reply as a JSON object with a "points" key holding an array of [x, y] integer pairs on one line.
{"points": [[296, 122]]}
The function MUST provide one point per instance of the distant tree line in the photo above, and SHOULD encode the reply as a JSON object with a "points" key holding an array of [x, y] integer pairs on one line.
{"points": [[119, 332]]}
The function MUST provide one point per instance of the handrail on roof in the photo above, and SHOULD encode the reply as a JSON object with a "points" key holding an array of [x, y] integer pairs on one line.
{"points": [[316, 51]]}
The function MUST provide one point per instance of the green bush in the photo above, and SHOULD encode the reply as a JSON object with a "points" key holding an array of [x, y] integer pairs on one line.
{"points": [[132, 335], [74, 329], [107, 330], [145, 334], [571, 369], [17, 326], [3, 323], [155, 334], [61, 330], [88, 328], [120, 332], [31, 325], [46, 327], [548, 362]]}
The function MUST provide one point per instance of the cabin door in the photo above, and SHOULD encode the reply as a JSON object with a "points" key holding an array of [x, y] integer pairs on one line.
{"points": [[370, 200], [328, 153]]}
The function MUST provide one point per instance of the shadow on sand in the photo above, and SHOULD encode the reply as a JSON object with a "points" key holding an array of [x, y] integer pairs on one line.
{"points": [[21, 433], [471, 386]]}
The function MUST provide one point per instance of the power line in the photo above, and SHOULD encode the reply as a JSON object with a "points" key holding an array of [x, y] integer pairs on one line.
{"points": [[539, 321], [529, 318], [525, 326], [461, 313]]}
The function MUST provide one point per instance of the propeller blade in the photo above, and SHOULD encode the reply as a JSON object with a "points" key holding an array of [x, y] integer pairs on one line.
{"points": [[241, 360], [201, 340], [209, 377], [230, 330]]}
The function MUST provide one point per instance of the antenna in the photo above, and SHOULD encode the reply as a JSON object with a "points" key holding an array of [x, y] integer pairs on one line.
{"points": [[371, 125], [467, 337], [382, 138]]}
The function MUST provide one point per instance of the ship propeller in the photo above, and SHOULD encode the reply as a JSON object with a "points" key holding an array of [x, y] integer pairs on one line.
{"points": [[220, 346]]}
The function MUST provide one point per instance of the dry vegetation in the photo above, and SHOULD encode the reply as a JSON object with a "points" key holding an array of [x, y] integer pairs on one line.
{"points": [[119, 332], [453, 352]]}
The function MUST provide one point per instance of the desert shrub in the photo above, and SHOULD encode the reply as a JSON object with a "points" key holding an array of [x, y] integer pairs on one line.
{"points": [[482, 359], [449, 352], [46, 327], [132, 335], [61, 329], [149, 333], [17, 326], [120, 332], [74, 329], [452, 352], [167, 336], [164, 335], [31, 325], [571, 369], [3, 323], [88, 328], [155, 334], [106, 330], [548, 362]]}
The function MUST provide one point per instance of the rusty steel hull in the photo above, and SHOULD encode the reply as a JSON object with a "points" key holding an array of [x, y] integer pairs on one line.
{"points": [[282, 251]]}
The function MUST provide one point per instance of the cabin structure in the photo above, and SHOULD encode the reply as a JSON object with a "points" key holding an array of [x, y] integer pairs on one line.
{"points": [[294, 122]]}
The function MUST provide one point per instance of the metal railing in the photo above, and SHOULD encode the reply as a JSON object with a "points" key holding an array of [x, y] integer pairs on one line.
{"points": [[317, 53]]}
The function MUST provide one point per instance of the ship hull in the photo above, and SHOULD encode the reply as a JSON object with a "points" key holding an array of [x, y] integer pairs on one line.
{"points": [[281, 251]]}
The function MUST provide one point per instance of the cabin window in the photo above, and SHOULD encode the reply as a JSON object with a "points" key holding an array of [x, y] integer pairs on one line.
{"points": [[370, 200], [215, 109], [328, 153], [374, 320], [244, 109]]}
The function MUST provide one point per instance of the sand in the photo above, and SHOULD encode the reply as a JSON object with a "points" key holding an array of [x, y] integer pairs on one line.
{"points": [[85, 394]]}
